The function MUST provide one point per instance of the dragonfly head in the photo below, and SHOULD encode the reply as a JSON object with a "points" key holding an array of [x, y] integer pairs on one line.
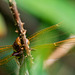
{"points": [[18, 46], [18, 41]]}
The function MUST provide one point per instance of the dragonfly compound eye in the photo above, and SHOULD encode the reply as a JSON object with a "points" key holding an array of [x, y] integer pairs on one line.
{"points": [[18, 41], [17, 44]]}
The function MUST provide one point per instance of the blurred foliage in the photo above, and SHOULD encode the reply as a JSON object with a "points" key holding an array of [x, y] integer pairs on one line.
{"points": [[51, 10], [3, 29], [42, 13]]}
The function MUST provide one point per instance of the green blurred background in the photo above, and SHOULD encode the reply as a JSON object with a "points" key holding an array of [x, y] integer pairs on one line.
{"points": [[39, 14]]}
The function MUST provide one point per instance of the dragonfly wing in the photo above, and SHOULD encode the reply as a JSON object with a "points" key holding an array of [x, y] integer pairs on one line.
{"points": [[48, 35], [5, 48], [42, 31], [6, 59], [42, 50], [5, 52], [8, 65], [47, 49]]}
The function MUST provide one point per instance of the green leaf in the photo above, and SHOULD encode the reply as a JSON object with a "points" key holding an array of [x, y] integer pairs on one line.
{"points": [[51, 10], [3, 29]]}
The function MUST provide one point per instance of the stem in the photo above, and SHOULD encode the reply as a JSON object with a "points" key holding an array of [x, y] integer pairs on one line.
{"points": [[19, 25], [22, 34]]}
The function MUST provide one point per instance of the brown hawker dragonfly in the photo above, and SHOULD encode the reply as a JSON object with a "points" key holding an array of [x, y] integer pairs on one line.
{"points": [[42, 41]]}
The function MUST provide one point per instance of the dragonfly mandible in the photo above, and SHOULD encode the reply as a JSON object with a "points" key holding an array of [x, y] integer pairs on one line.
{"points": [[42, 40]]}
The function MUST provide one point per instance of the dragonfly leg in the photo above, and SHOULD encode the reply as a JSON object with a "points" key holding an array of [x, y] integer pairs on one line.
{"points": [[22, 59], [17, 62], [17, 53]]}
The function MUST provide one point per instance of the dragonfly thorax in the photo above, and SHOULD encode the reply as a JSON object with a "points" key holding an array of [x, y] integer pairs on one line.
{"points": [[17, 45], [18, 48]]}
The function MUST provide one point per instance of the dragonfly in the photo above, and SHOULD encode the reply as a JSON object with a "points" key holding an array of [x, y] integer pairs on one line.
{"points": [[42, 42]]}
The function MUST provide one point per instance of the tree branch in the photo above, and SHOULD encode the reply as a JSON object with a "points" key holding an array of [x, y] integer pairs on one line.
{"points": [[19, 25]]}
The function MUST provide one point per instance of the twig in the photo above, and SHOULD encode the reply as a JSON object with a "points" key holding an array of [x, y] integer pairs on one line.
{"points": [[62, 50], [24, 41], [19, 25]]}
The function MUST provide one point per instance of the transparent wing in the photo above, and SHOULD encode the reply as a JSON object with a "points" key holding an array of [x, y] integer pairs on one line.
{"points": [[48, 35], [5, 48], [6, 59], [8, 63], [46, 49], [5, 54], [33, 36]]}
